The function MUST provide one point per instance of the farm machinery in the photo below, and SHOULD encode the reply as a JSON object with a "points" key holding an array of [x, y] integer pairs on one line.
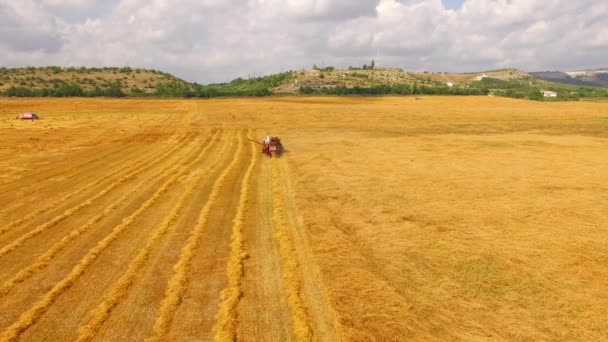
{"points": [[270, 145], [28, 116]]}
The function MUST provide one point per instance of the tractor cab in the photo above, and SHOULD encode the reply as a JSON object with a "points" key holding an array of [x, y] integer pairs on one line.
{"points": [[272, 145]]}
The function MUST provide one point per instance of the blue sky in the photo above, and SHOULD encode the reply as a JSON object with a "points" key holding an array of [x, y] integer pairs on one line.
{"points": [[218, 40], [452, 4]]}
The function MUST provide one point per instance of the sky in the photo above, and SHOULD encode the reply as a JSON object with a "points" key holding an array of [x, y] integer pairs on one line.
{"points": [[218, 40]]}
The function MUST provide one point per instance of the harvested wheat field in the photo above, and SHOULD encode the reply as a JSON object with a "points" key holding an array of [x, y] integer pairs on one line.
{"points": [[387, 219]]}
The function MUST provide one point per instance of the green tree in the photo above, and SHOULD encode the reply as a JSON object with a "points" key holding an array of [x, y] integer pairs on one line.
{"points": [[136, 92], [114, 90], [535, 94], [306, 90]]}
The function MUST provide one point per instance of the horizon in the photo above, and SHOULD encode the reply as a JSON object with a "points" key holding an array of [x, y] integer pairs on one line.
{"points": [[216, 41], [310, 68]]}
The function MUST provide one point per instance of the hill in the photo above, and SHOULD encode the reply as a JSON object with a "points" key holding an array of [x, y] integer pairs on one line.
{"points": [[370, 77], [375, 81], [55, 81], [71, 81], [118, 82], [590, 78]]}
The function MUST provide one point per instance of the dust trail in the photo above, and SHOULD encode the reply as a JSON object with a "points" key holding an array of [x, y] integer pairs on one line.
{"points": [[113, 297], [44, 260], [291, 266], [226, 320], [179, 281], [30, 317]]}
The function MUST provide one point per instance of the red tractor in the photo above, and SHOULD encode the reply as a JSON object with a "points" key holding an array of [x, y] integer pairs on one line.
{"points": [[271, 145], [28, 116]]}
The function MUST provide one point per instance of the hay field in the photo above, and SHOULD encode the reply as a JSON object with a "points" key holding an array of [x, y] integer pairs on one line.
{"points": [[387, 219]]}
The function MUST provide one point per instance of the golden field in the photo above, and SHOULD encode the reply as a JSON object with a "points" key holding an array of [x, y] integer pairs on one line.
{"points": [[387, 219]]}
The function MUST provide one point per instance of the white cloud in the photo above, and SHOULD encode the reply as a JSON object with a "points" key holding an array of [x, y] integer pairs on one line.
{"points": [[26, 27], [216, 40], [69, 4]]}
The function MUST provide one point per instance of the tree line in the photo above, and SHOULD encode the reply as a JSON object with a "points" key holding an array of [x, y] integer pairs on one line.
{"points": [[259, 86], [262, 86], [395, 89], [65, 90], [530, 88]]}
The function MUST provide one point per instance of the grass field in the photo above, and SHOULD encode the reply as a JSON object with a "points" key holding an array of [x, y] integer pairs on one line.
{"points": [[387, 219]]}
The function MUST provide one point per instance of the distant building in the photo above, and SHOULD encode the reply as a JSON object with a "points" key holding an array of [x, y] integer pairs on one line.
{"points": [[547, 93], [481, 77], [449, 84]]}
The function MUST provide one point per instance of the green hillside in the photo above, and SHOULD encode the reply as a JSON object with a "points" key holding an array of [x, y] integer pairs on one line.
{"points": [[58, 81], [367, 80], [379, 81], [118, 82]]}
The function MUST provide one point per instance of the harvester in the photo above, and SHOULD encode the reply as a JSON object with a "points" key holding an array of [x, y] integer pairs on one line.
{"points": [[27, 116], [270, 145]]}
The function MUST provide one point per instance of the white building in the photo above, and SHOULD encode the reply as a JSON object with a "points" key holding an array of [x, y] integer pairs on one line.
{"points": [[547, 93], [481, 77], [449, 84]]}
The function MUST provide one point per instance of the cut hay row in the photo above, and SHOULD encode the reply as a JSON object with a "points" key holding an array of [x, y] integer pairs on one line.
{"points": [[113, 297], [54, 221], [33, 186], [226, 320], [178, 283], [121, 168], [84, 167], [290, 264], [80, 168], [44, 260], [30, 188], [30, 317], [136, 165], [309, 267]]}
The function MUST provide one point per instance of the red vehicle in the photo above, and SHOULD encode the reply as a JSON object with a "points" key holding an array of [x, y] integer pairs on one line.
{"points": [[28, 116], [271, 145]]}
